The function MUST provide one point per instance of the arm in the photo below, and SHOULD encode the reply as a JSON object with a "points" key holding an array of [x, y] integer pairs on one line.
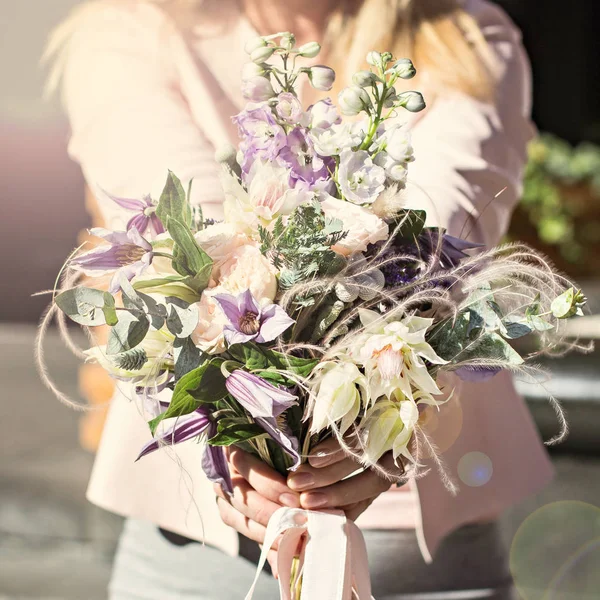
{"points": [[130, 121]]}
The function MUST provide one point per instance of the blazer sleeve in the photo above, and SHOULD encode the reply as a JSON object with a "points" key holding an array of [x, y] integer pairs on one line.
{"points": [[470, 154], [130, 121]]}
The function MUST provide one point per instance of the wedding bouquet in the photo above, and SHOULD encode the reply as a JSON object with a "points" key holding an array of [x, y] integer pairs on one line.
{"points": [[320, 306]]}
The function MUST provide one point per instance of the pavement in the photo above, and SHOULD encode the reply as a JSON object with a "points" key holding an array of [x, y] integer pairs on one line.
{"points": [[55, 546]]}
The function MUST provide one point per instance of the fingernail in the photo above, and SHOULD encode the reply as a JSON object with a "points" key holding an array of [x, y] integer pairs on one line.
{"points": [[291, 500], [301, 481], [314, 500], [321, 459]]}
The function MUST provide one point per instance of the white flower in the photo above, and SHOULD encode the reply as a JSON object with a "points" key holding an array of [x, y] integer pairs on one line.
{"points": [[364, 78], [251, 70], [321, 77], [257, 89], [411, 101], [339, 391], [392, 354], [394, 169], [336, 138], [404, 68], [396, 141], [309, 50], [389, 425], [352, 100], [360, 180], [323, 114], [361, 225]]}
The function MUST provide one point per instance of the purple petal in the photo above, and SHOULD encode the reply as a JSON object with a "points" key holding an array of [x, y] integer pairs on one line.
{"points": [[274, 321], [139, 222], [185, 428], [288, 442], [136, 238], [102, 258], [126, 203], [156, 224], [113, 237], [257, 396], [229, 305], [128, 272], [234, 336], [247, 303], [214, 465], [477, 374]]}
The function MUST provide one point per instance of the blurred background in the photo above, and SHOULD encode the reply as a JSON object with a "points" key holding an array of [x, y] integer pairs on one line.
{"points": [[53, 544]]}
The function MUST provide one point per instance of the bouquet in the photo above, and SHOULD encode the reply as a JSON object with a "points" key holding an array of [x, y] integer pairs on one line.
{"points": [[320, 305]]}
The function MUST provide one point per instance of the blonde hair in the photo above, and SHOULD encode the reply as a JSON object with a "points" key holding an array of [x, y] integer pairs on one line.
{"points": [[439, 36]]}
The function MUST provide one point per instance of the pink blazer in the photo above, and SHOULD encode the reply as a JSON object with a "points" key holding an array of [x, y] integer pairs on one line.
{"points": [[144, 96]]}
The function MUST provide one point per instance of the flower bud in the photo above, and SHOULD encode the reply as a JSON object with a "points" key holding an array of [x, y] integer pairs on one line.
{"points": [[404, 68], [386, 57], [226, 154], [251, 70], [353, 100], [390, 98], [321, 77], [288, 41], [261, 54], [309, 50], [374, 58], [363, 78], [411, 101], [257, 89], [253, 44]]}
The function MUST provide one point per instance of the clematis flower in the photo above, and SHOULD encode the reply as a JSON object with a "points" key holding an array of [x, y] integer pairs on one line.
{"points": [[126, 254], [187, 427], [392, 354], [360, 180], [340, 390], [265, 403], [248, 321], [146, 219]]}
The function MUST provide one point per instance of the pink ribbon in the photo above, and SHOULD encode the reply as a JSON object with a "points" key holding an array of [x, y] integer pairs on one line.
{"points": [[333, 563]]}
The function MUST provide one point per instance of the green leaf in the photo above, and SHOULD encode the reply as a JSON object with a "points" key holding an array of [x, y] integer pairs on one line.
{"points": [[83, 305], [182, 318], [110, 313], [515, 329], [256, 358], [187, 356], [127, 333], [157, 312], [230, 432], [188, 258], [173, 203], [409, 224], [250, 355], [205, 384], [490, 346]]}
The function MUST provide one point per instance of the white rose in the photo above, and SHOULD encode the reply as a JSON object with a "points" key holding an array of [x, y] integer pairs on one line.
{"points": [[362, 225]]}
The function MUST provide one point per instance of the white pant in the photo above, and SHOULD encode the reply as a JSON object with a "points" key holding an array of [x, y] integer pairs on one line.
{"points": [[471, 565]]}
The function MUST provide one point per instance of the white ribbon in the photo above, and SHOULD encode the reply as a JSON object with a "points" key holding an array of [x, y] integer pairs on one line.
{"points": [[333, 563]]}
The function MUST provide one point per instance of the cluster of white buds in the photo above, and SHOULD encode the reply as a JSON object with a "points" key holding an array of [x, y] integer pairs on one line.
{"points": [[262, 81]]}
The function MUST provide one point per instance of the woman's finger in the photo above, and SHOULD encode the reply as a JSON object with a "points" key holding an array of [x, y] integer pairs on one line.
{"points": [[326, 453], [235, 519], [263, 479], [307, 477], [248, 501]]}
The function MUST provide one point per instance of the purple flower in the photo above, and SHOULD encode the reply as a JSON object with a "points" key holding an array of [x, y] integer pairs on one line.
{"points": [[127, 254], [289, 108], [262, 136], [300, 156], [146, 219], [265, 403], [248, 321], [185, 428], [214, 463], [450, 251]]}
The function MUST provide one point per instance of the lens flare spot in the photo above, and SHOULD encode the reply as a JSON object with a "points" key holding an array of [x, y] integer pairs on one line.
{"points": [[556, 552], [475, 469]]}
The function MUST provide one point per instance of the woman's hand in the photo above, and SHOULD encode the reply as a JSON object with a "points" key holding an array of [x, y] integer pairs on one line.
{"points": [[324, 481]]}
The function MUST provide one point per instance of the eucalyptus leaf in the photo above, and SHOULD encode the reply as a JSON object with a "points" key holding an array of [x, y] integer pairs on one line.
{"points": [[127, 333], [83, 305], [492, 346], [181, 321], [187, 356], [156, 312], [109, 310], [514, 330]]}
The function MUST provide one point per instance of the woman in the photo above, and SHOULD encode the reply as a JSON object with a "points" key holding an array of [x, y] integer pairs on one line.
{"points": [[150, 86]]}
